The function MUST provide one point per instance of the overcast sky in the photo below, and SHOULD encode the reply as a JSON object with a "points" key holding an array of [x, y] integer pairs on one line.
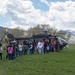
{"points": [[29, 13]]}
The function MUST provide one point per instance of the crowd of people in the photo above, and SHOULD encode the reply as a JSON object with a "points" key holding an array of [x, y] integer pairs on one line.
{"points": [[16, 48]]}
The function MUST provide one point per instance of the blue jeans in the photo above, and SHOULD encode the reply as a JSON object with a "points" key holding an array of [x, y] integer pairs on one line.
{"points": [[20, 53], [28, 51], [42, 51], [25, 51], [17, 53], [10, 56]]}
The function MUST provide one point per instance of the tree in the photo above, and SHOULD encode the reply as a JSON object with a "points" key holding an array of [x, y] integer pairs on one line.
{"points": [[51, 30], [17, 32], [34, 30], [40, 29]]}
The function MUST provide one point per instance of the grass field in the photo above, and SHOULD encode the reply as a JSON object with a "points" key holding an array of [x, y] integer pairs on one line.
{"points": [[57, 63]]}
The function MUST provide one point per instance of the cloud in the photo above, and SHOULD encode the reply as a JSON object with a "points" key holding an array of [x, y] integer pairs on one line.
{"points": [[46, 2], [14, 25], [63, 11], [23, 13], [62, 14], [69, 25], [3, 8]]}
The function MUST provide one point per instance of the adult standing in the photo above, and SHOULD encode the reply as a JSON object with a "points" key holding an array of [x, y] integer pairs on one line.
{"points": [[40, 47], [20, 47], [45, 45]]}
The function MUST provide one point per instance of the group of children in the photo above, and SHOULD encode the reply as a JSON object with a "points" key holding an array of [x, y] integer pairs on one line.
{"points": [[17, 49], [46, 47]]}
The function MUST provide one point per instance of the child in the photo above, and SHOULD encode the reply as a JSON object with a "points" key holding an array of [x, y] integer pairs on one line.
{"points": [[20, 49], [48, 48], [53, 46], [10, 52]]}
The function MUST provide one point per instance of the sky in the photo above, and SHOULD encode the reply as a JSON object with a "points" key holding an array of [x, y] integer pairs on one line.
{"points": [[29, 13]]}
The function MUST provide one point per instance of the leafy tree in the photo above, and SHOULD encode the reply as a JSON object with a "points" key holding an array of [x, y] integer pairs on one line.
{"points": [[51, 30], [34, 30], [17, 32], [40, 29]]}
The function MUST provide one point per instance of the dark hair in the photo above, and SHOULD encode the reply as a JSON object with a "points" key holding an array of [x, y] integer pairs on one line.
{"points": [[43, 39], [10, 45]]}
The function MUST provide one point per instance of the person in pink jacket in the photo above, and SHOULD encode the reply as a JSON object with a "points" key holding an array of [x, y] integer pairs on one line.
{"points": [[53, 45], [10, 52]]}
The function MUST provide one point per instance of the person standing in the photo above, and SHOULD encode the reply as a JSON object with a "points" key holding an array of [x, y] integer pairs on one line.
{"points": [[10, 52], [53, 46], [57, 45], [8, 44], [45, 45], [31, 48], [48, 48], [40, 47], [20, 47], [1, 51]]}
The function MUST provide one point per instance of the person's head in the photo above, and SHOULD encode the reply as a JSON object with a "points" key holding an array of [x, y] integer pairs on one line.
{"points": [[10, 45], [40, 40], [43, 39], [20, 43]]}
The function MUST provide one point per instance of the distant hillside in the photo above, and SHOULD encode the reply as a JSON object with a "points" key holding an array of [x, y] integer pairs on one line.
{"points": [[71, 32]]}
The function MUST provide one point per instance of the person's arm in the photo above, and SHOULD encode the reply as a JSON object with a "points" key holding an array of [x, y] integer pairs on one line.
{"points": [[1, 49]]}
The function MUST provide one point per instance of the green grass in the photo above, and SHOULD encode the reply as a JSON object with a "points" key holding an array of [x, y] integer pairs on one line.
{"points": [[57, 63]]}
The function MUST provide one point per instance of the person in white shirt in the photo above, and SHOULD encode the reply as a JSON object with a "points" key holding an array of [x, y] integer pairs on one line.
{"points": [[20, 47], [40, 47]]}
